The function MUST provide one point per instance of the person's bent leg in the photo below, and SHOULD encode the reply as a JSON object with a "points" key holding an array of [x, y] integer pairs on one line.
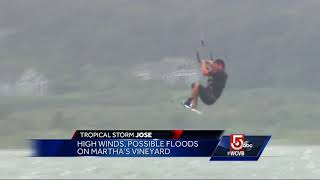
{"points": [[195, 95], [206, 95]]}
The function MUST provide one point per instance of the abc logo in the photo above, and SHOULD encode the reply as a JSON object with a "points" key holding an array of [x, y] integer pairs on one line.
{"points": [[247, 146]]}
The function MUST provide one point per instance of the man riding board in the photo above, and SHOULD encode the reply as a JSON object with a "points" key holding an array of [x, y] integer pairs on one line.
{"points": [[217, 77]]}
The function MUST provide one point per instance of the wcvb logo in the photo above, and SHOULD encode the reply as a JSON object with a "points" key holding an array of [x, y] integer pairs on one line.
{"points": [[238, 145], [236, 142]]}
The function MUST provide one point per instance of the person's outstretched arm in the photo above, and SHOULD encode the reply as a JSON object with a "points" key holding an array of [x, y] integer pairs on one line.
{"points": [[203, 67]]}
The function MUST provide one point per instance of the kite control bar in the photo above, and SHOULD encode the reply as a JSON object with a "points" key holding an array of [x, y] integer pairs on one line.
{"points": [[198, 54]]}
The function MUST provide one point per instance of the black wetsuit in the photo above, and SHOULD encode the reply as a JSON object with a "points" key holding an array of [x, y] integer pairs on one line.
{"points": [[215, 85]]}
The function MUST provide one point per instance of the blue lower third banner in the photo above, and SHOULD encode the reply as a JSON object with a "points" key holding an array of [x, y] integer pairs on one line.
{"points": [[159, 143]]}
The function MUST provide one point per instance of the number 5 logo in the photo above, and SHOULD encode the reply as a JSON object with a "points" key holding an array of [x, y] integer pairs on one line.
{"points": [[236, 142]]}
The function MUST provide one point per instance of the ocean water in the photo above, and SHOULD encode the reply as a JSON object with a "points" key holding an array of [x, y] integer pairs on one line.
{"points": [[275, 162]]}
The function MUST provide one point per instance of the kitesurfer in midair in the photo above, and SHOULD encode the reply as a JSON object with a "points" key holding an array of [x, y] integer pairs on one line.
{"points": [[217, 77]]}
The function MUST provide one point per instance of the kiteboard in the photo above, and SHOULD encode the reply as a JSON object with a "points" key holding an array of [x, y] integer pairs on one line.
{"points": [[192, 109]]}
